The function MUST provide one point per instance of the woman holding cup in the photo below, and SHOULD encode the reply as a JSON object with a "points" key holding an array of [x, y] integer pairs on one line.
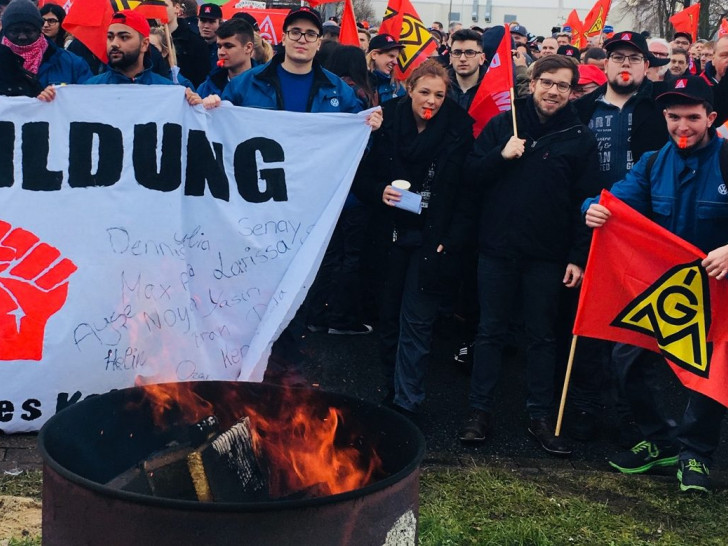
{"points": [[420, 148]]}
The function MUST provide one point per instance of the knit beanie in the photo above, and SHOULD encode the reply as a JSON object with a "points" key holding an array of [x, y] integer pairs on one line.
{"points": [[22, 11]]}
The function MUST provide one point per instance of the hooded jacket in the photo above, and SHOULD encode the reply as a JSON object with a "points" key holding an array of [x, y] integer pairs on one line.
{"points": [[530, 205], [60, 66]]}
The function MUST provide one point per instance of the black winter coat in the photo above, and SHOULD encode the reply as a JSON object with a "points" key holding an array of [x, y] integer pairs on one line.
{"points": [[649, 130], [530, 206], [449, 220], [15, 81]]}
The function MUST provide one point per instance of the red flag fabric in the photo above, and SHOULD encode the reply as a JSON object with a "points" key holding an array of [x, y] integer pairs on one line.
{"points": [[88, 21], [348, 35], [314, 3], [577, 29], [687, 20], [270, 21], [494, 93], [154, 9], [402, 21], [644, 286], [596, 18], [723, 30]]}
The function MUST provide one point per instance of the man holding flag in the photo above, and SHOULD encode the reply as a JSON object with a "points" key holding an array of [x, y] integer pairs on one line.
{"points": [[679, 188], [530, 241]]}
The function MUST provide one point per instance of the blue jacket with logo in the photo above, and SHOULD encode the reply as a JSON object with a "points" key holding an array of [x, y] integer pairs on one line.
{"points": [[386, 89], [685, 193], [260, 87], [60, 66]]}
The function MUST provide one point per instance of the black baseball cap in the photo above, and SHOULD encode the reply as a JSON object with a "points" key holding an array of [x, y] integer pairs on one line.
{"points": [[686, 35], [245, 16], [569, 51], [304, 12], [519, 29], [210, 11], [687, 90], [384, 42], [634, 39]]}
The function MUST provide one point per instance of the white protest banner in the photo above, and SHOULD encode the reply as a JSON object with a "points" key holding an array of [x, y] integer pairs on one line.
{"points": [[142, 237]]}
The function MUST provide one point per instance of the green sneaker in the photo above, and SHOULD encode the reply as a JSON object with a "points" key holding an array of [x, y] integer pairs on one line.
{"points": [[694, 476], [644, 456]]}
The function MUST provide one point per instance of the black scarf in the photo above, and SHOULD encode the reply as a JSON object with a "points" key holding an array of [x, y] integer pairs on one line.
{"points": [[417, 151]]}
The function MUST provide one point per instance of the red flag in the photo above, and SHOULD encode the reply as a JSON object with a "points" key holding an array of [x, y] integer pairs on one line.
{"points": [[88, 21], [270, 21], [494, 93], [577, 29], [687, 20], [349, 35], [596, 18], [314, 3], [402, 21], [154, 9], [644, 286], [723, 30]]}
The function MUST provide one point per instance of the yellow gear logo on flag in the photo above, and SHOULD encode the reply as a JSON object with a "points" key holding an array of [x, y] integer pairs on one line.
{"points": [[415, 38], [598, 24], [675, 310], [125, 4]]}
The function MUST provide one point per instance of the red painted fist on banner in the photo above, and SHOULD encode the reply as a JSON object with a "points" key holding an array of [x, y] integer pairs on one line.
{"points": [[33, 286]]}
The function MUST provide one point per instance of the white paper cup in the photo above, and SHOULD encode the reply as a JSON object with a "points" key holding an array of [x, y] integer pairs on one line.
{"points": [[401, 185]]}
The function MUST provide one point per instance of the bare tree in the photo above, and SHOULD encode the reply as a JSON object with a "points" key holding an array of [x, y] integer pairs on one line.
{"points": [[654, 15]]}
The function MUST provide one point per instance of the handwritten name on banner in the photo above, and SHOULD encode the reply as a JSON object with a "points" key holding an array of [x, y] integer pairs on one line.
{"points": [[140, 236]]}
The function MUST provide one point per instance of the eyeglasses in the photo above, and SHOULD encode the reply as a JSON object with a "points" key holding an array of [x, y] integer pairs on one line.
{"points": [[295, 34], [659, 54], [50, 22], [633, 59], [563, 87], [469, 53]]}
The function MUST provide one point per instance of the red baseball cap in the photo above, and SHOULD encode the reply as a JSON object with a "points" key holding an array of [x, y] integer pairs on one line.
{"points": [[131, 19], [588, 73]]}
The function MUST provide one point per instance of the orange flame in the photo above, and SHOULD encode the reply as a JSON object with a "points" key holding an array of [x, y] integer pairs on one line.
{"points": [[303, 443]]}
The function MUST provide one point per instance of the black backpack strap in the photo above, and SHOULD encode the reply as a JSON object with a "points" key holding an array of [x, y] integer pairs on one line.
{"points": [[651, 161], [724, 161]]}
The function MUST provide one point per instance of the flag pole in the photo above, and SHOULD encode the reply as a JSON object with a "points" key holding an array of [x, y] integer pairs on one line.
{"points": [[513, 114], [566, 382]]}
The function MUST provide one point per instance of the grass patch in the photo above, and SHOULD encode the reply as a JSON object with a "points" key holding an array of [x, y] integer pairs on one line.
{"points": [[498, 506], [492, 506], [26, 484]]}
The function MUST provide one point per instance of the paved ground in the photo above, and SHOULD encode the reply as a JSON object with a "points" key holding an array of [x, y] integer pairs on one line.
{"points": [[348, 364]]}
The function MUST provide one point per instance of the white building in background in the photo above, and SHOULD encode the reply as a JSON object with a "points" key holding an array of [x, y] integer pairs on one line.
{"points": [[538, 16]]}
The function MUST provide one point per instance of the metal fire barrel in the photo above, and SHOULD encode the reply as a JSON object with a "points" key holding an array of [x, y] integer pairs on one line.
{"points": [[91, 442]]}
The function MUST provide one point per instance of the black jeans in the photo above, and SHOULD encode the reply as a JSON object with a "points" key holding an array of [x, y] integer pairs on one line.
{"points": [[535, 286]]}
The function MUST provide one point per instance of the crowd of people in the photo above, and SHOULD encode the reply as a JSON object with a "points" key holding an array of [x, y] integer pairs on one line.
{"points": [[501, 231]]}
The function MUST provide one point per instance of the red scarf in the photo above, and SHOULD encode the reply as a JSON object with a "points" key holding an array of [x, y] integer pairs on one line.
{"points": [[32, 54]]}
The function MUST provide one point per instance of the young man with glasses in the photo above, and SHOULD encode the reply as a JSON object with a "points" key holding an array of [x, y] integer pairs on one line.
{"points": [[293, 80], [531, 240], [626, 122], [466, 61]]}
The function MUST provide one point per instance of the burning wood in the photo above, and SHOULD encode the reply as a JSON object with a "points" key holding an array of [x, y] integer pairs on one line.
{"points": [[223, 469]]}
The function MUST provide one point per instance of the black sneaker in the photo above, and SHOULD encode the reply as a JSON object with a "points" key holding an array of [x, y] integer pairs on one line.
{"points": [[644, 456], [543, 430], [477, 426], [694, 476], [583, 426], [354, 330]]}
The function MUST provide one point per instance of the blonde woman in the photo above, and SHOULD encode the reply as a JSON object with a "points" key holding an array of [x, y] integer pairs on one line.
{"points": [[381, 61]]}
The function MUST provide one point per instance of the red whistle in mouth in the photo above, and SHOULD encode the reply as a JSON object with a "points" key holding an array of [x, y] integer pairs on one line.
{"points": [[625, 76], [427, 114], [220, 63], [682, 142]]}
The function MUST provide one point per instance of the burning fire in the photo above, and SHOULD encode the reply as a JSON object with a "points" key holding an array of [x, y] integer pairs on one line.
{"points": [[306, 446]]}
